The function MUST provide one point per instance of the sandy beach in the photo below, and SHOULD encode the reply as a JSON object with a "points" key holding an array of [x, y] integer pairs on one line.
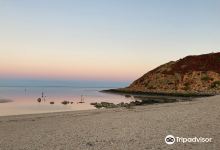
{"points": [[140, 128]]}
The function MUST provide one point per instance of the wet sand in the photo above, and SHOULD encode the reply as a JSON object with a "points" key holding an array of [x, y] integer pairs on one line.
{"points": [[140, 128]]}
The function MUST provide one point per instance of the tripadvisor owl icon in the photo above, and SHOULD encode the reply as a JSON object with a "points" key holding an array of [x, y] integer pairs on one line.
{"points": [[169, 139]]}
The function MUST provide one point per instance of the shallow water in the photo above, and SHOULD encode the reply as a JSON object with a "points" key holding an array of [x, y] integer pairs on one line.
{"points": [[24, 100]]}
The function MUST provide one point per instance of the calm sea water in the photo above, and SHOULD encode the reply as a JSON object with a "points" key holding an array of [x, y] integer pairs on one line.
{"points": [[24, 99]]}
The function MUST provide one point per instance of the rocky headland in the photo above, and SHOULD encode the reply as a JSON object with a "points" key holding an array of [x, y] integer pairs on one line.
{"points": [[193, 75]]}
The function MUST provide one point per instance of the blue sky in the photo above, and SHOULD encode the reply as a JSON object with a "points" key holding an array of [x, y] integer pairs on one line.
{"points": [[114, 40]]}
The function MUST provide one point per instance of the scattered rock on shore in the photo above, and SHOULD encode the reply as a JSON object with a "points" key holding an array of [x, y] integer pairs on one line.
{"points": [[65, 102], [39, 100]]}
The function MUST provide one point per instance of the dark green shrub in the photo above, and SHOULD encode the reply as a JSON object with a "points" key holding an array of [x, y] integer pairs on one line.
{"points": [[187, 86], [206, 78], [215, 84], [151, 87]]}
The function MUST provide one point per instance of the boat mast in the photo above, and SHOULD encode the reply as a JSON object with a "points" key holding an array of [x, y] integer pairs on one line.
{"points": [[82, 99]]}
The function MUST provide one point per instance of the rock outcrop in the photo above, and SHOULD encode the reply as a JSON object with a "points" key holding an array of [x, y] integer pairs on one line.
{"points": [[192, 74]]}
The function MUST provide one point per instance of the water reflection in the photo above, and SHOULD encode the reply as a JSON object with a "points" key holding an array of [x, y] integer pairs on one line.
{"points": [[25, 99]]}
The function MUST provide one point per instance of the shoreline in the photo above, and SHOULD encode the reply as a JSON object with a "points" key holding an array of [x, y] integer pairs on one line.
{"points": [[140, 128], [139, 99], [103, 109]]}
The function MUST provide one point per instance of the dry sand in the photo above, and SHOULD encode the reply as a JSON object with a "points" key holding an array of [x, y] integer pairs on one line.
{"points": [[140, 128]]}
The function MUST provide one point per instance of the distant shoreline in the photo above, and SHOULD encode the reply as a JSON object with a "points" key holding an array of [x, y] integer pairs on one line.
{"points": [[5, 100]]}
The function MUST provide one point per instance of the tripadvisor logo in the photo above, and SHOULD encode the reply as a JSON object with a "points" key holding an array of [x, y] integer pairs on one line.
{"points": [[170, 139]]}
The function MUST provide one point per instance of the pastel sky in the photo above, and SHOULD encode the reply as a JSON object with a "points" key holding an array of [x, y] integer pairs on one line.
{"points": [[114, 40]]}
